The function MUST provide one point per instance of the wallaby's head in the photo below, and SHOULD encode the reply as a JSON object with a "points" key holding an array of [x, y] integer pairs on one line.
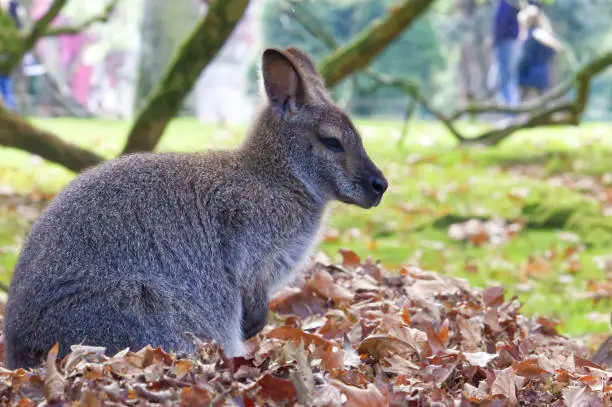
{"points": [[302, 127]]}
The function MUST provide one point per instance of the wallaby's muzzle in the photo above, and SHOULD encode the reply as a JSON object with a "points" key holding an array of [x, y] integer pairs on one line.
{"points": [[375, 185], [379, 186]]}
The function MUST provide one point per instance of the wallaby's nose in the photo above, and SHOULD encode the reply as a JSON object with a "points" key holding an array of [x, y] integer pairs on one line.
{"points": [[379, 185]]}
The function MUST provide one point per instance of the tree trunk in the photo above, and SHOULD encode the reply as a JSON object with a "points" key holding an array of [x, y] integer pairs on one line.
{"points": [[17, 133], [163, 28], [197, 51]]}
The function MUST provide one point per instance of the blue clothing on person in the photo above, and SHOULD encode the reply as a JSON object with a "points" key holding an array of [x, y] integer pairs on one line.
{"points": [[6, 83], [6, 92], [506, 48], [535, 63], [14, 13], [505, 25]]}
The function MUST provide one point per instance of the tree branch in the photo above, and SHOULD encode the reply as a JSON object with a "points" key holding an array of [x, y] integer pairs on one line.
{"points": [[195, 53], [15, 132], [413, 90], [558, 114], [304, 17], [41, 28], [34, 35], [73, 30], [359, 53], [545, 112], [550, 96]]}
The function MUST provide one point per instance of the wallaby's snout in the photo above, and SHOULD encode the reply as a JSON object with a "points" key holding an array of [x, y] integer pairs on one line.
{"points": [[378, 185], [374, 183]]}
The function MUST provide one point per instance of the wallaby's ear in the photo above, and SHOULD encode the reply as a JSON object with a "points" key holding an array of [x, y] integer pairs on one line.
{"points": [[283, 83]]}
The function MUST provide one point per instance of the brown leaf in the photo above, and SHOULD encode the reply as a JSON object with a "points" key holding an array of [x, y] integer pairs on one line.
{"points": [[350, 258], [161, 397], [276, 389], [481, 359], [302, 377], [437, 341], [123, 368], [437, 374], [181, 367], [26, 402], [55, 383], [332, 357], [288, 333], [405, 316], [399, 365], [155, 356], [580, 362], [92, 399], [547, 326], [323, 284], [356, 397], [529, 368], [336, 325], [300, 302], [493, 296], [504, 385], [194, 396], [480, 238], [471, 333], [382, 346], [581, 397]]}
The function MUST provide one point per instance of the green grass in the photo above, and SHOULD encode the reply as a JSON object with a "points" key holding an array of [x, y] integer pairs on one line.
{"points": [[428, 164]]}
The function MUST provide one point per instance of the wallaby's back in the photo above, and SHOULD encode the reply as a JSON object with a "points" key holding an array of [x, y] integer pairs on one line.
{"points": [[126, 242]]}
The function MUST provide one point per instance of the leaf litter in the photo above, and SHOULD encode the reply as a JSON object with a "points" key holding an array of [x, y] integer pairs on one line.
{"points": [[348, 335]]}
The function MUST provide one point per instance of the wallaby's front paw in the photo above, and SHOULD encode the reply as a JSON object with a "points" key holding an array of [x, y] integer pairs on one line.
{"points": [[254, 322], [254, 329]]}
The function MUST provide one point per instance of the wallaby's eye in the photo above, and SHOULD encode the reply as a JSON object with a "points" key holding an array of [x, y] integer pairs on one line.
{"points": [[332, 143]]}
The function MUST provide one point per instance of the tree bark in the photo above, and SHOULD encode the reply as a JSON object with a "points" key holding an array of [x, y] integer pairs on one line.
{"points": [[358, 54], [197, 51], [18, 133], [164, 27]]}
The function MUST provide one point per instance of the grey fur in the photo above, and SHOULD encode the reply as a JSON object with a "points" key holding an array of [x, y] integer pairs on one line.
{"points": [[146, 247]]}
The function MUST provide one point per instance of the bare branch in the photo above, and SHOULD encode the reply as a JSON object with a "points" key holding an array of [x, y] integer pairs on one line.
{"points": [[413, 90], [41, 28], [545, 112], [304, 17], [359, 53], [196, 52], [37, 31], [103, 17], [554, 94], [558, 114], [15, 132]]}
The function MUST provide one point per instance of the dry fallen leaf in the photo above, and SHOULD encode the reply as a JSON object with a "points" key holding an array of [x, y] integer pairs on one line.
{"points": [[504, 385], [323, 284], [370, 337], [356, 397], [481, 359], [54, 382], [350, 258]]}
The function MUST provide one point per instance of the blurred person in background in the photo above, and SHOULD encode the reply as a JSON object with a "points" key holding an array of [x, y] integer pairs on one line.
{"points": [[17, 14], [506, 49], [538, 48]]}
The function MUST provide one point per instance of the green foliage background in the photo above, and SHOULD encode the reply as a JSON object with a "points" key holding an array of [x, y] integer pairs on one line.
{"points": [[428, 52]]}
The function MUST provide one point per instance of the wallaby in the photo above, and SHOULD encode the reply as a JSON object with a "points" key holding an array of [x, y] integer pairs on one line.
{"points": [[146, 247]]}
